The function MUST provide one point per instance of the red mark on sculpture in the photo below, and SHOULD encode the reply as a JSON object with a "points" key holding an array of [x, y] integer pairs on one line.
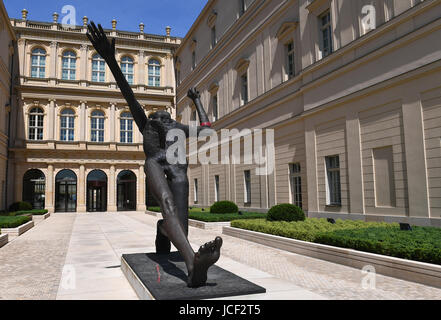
{"points": [[159, 274]]}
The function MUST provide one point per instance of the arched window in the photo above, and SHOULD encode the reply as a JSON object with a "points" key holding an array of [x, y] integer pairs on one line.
{"points": [[98, 68], [38, 63], [69, 65], [97, 126], [126, 128], [34, 188], [154, 73], [36, 124], [67, 127], [127, 68]]}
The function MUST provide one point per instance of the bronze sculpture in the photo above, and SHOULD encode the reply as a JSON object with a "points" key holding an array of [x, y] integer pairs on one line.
{"points": [[168, 182]]}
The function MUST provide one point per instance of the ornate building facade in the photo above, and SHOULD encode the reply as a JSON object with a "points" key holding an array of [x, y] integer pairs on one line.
{"points": [[352, 89], [75, 146]]}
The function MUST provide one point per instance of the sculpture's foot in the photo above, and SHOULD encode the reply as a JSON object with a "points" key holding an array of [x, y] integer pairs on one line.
{"points": [[163, 244], [207, 255]]}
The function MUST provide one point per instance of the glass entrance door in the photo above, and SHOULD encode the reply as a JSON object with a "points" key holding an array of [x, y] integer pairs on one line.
{"points": [[126, 191], [95, 197], [66, 196]]}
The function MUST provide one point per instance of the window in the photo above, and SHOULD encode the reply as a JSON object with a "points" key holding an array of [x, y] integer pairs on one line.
{"points": [[67, 127], [213, 37], [126, 128], [36, 124], [38, 63], [290, 68], [127, 68], [98, 69], [247, 188], [333, 191], [326, 33], [193, 60], [244, 89], [154, 73], [195, 191], [296, 184], [68, 65], [215, 108], [97, 126], [216, 188], [193, 115], [178, 76], [242, 7]]}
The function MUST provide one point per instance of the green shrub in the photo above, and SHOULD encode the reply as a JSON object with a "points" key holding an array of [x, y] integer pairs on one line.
{"points": [[154, 209], [20, 206], [216, 217], [13, 222], [286, 212], [224, 207], [32, 212]]}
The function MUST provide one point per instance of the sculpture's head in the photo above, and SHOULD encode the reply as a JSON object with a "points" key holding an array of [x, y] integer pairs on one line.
{"points": [[162, 116]]}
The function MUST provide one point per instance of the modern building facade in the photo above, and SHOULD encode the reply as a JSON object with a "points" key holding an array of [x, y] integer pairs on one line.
{"points": [[352, 89], [75, 147]]}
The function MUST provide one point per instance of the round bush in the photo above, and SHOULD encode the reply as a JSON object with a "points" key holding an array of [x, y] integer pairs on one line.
{"points": [[224, 207], [20, 206], [286, 212]]}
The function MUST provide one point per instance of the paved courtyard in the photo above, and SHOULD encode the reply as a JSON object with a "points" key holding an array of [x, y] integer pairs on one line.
{"points": [[77, 256]]}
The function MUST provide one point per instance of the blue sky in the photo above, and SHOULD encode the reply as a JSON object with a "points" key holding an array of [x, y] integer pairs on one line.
{"points": [[156, 15]]}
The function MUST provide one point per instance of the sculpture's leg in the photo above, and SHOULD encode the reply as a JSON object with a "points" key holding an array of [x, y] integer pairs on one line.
{"points": [[178, 183], [162, 242]]}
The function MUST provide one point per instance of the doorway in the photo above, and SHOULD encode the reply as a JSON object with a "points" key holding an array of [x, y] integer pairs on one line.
{"points": [[126, 191], [66, 191], [96, 191], [34, 184]]}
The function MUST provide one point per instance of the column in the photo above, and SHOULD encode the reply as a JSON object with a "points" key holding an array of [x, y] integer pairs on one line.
{"points": [[112, 191], [18, 183], [81, 193], [50, 192], [54, 56], [83, 122], [417, 184], [311, 167], [51, 114], [141, 69], [355, 173], [141, 190], [84, 62], [112, 120]]}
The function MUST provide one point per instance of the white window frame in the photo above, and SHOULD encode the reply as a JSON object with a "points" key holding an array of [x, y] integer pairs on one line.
{"points": [[40, 65], [126, 122], [215, 102], [71, 58], [216, 188], [242, 7], [195, 189], [99, 70], [295, 180], [126, 62], [213, 37], [193, 60], [67, 131], [244, 90], [333, 180], [97, 133], [290, 60], [154, 73], [35, 132], [247, 187], [328, 28]]}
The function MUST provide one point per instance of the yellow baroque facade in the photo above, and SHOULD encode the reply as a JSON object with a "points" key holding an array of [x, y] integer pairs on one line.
{"points": [[74, 144]]}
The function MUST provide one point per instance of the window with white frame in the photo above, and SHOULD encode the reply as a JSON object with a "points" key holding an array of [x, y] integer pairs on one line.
{"points": [[193, 60], [216, 189], [67, 125], [333, 187], [295, 184], [325, 33], [36, 117], [193, 116], [38, 63], [68, 65], [98, 69], [195, 191], [154, 73], [247, 186], [97, 126], [127, 69], [244, 89], [242, 7], [290, 66], [126, 128], [215, 108]]}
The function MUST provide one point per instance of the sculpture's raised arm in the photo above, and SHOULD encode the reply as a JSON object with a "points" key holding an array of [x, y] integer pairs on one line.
{"points": [[106, 50], [194, 95]]}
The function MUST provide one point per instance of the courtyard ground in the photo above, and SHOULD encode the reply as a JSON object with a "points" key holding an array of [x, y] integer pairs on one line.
{"points": [[77, 256]]}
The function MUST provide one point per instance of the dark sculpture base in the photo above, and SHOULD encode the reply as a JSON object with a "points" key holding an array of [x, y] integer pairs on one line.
{"points": [[163, 277]]}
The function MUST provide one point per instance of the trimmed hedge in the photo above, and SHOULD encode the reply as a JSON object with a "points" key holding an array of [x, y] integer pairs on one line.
{"points": [[421, 244], [286, 212], [225, 217], [32, 212], [20, 206], [13, 222], [154, 209], [224, 207]]}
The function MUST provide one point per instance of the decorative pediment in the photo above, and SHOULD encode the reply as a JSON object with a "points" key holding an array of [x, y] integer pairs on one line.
{"points": [[212, 19], [242, 65], [316, 7], [286, 28], [214, 87]]}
